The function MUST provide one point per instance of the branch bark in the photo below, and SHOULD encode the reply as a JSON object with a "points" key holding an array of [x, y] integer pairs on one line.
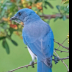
{"points": [[62, 42], [64, 58], [62, 61], [26, 66], [61, 50], [61, 45], [53, 16], [21, 67]]}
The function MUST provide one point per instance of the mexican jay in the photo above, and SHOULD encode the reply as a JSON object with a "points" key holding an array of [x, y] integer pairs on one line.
{"points": [[38, 37]]}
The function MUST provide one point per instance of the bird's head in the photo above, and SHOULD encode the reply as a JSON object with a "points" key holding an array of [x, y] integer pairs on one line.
{"points": [[24, 15]]}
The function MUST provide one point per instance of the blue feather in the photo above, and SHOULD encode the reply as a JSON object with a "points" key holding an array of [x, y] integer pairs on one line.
{"points": [[38, 36], [41, 67]]}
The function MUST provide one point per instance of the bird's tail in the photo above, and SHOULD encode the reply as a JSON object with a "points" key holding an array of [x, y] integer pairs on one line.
{"points": [[41, 67]]}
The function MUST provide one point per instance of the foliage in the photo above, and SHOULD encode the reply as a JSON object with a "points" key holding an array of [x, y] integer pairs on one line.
{"points": [[65, 1]]}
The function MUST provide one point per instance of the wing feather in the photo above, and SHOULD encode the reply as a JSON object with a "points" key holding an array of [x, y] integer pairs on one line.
{"points": [[42, 47]]}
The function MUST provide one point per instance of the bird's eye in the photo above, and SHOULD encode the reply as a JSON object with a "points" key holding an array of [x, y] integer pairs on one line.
{"points": [[19, 13]]}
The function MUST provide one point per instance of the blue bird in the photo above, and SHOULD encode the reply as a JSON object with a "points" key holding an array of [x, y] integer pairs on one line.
{"points": [[38, 37]]}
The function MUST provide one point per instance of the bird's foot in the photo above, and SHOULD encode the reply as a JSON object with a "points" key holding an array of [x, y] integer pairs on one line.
{"points": [[32, 64], [56, 59]]}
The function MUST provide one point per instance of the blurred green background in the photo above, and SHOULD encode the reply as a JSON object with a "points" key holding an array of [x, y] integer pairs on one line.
{"points": [[19, 55]]}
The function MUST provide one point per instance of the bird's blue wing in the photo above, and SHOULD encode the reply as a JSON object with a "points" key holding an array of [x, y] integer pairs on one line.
{"points": [[42, 46]]}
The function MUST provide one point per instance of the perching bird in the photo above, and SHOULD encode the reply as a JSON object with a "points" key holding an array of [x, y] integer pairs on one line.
{"points": [[38, 36]]}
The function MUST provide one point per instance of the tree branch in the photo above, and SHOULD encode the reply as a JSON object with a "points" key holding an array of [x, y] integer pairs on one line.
{"points": [[62, 42], [21, 67], [34, 63], [61, 50], [62, 61], [53, 16], [61, 45], [64, 58]]}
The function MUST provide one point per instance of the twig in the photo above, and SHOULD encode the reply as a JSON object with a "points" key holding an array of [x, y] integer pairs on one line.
{"points": [[62, 61], [62, 42], [53, 16], [61, 50], [64, 58], [21, 67], [65, 65], [34, 63], [61, 45]]}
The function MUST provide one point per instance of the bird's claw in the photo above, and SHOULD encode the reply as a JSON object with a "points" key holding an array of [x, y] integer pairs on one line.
{"points": [[32, 64], [56, 59]]}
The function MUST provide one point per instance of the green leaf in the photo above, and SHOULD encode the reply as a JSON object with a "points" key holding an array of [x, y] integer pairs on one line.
{"points": [[18, 2], [49, 4], [56, 19], [58, 7], [1, 38], [66, 2], [3, 12], [5, 45], [5, 26], [68, 6], [30, 3], [48, 21], [14, 42], [11, 30], [62, 7], [64, 17], [68, 9], [36, 1], [45, 7]]}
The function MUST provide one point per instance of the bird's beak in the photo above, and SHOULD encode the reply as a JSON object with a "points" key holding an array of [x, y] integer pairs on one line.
{"points": [[13, 18]]}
